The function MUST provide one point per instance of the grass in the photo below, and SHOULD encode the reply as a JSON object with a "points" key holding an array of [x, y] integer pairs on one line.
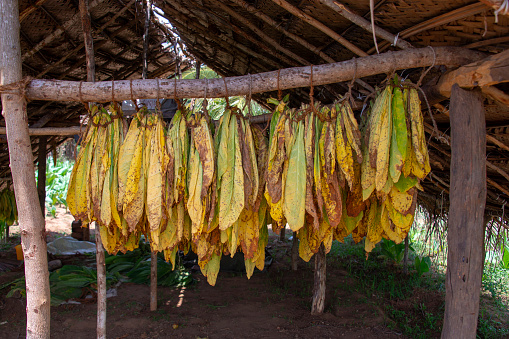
{"points": [[415, 303]]}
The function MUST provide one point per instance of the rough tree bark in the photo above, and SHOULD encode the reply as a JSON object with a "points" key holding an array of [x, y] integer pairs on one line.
{"points": [[466, 214], [33, 239], [62, 90], [41, 176], [318, 302]]}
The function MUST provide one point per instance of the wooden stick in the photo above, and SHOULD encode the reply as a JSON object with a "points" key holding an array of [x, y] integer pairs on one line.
{"points": [[33, 239], [318, 302], [497, 186], [99, 256], [497, 142], [295, 252], [262, 35], [277, 26], [29, 10], [363, 23], [59, 90], [81, 45], [89, 42], [253, 10], [321, 27], [496, 94], [153, 254]]}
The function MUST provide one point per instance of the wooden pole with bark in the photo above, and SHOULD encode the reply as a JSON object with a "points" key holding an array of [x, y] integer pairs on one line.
{"points": [[466, 214], [41, 173], [295, 252], [61, 90], [33, 239], [153, 255], [318, 302], [99, 255]]}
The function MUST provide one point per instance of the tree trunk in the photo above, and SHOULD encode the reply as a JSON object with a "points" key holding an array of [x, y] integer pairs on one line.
{"points": [[318, 303], [466, 214], [41, 177], [33, 239], [295, 252], [282, 234]]}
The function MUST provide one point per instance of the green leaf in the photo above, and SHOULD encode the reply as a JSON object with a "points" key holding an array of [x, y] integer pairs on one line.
{"points": [[505, 257]]}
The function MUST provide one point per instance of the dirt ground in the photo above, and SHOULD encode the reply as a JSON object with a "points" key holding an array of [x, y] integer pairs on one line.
{"points": [[274, 303]]}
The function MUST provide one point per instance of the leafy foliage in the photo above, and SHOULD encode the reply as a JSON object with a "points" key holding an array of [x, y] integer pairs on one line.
{"points": [[394, 252], [422, 265], [57, 180]]}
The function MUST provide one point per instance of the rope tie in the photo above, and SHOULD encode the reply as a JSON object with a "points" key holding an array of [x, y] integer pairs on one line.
{"points": [[226, 90], [279, 93], [135, 103], [87, 106], [18, 87], [179, 104]]}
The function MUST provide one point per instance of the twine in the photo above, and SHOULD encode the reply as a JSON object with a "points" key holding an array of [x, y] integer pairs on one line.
{"points": [[18, 87], [135, 103], [226, 90], [503, 9], [279, 93]]}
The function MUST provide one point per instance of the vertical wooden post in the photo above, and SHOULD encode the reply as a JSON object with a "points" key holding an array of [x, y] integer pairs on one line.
{"points": [[147, 4], [295, 252], [99, 255], [405, 256], [318, 303], [282, 234], [41, 175], [33, 239], [466, 214]]}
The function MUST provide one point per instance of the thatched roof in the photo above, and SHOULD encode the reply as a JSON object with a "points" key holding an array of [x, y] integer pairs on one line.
{"points": [[237, 37], [52, 47]]}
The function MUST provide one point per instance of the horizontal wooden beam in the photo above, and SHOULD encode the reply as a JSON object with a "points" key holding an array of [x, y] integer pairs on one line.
{"points": [[61, 131], [483, 73], [105, 91]]}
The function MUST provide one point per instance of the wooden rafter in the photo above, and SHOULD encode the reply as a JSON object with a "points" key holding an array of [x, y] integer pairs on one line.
{"points": [[81, 45], [58, 32], [440, 20], [29, 10], [365, 24], [320, 26]]}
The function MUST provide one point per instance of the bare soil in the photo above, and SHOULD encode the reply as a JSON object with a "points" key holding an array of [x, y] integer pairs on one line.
{"points": [[274, 303]]}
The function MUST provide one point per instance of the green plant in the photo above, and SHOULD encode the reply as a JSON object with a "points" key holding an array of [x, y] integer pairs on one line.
{"points": [[394, 252], [57, 181], [505, 255], [422, 265], [68, 282]]}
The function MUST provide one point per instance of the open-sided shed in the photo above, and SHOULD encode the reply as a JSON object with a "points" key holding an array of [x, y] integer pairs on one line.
{"points": [[465, 42]]}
